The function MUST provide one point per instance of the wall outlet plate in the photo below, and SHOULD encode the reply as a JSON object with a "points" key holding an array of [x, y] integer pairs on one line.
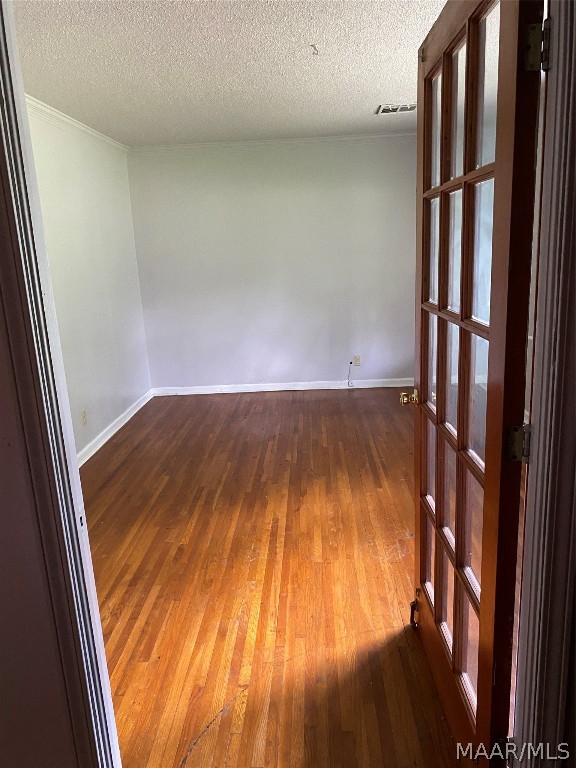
{"points": [[356, 360], [83, 418]]}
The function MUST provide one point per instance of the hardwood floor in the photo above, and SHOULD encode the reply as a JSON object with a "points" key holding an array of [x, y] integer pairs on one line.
{"points": [[254, 565]]}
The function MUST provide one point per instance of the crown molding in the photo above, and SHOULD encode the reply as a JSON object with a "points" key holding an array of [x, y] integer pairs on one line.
{"points": [[59, 119], [54, 117], [270, 145]]}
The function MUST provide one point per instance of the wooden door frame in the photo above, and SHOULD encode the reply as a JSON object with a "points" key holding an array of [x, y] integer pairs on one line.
{"points": [[47, 422], [32, 329], [546, 641]]}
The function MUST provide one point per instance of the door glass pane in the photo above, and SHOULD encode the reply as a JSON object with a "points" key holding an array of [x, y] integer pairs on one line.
{"points": [[430, 558], [431, 463], [458, 90], [452, 354], [481, 277], [434, 249], [454, 250], [432, 357], [478, 391], [447, 599], [471, 637], [449, 491], [435, 133], [473, 530], [488, 39]]}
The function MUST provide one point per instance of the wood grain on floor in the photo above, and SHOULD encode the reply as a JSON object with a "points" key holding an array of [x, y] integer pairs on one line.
{"points": [[254, 565]]}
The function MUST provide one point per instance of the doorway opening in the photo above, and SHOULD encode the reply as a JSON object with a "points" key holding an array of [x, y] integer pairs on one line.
{"points": [[288, 468]]}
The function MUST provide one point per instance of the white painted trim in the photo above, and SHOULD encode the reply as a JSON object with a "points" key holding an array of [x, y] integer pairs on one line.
{"points": [[65, 467], [215, 389], [53, 116], [100, 440], [373, 383], [106, 434], [270, 144]]}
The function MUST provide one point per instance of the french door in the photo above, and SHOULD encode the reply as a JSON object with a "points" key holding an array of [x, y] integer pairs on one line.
{"points": [[477, 118]]}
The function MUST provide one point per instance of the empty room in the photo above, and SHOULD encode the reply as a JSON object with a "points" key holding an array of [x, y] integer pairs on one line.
{"points": [[285, 268]]}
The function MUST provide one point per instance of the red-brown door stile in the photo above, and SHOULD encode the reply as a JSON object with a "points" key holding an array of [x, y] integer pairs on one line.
{"points": [[466, 595]]}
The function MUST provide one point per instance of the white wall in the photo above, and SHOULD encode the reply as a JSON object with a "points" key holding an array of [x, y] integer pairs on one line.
{"points": [[275, 262], [85, 200], [260, 264]]}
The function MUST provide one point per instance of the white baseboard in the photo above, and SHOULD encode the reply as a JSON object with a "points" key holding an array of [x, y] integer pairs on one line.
{"points": [[106, 434], [373, 383], [293, 385]]}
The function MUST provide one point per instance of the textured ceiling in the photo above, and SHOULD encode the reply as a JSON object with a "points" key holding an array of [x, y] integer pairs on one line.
{"points": [[165, 72]]}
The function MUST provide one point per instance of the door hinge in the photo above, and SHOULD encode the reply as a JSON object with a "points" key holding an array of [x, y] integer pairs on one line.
{"points": [[413, 612], [537, 47], [519, 443], [546, 45]]}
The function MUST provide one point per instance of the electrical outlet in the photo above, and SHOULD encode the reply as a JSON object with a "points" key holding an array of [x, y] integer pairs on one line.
{"points": [[83, 418], [356, 360]]}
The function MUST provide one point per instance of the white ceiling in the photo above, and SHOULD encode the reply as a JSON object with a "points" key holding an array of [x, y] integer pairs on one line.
{"points": [[172, 72]]}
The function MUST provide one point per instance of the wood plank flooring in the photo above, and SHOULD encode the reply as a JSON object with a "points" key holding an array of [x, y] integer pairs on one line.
{"points": [[254, 565]]}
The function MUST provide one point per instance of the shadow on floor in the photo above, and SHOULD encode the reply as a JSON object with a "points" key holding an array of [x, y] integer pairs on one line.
{"points": [[365, 703]]}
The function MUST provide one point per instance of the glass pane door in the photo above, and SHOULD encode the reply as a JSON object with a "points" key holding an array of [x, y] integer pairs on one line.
{"points": [[462, 335], [457, 315]]}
